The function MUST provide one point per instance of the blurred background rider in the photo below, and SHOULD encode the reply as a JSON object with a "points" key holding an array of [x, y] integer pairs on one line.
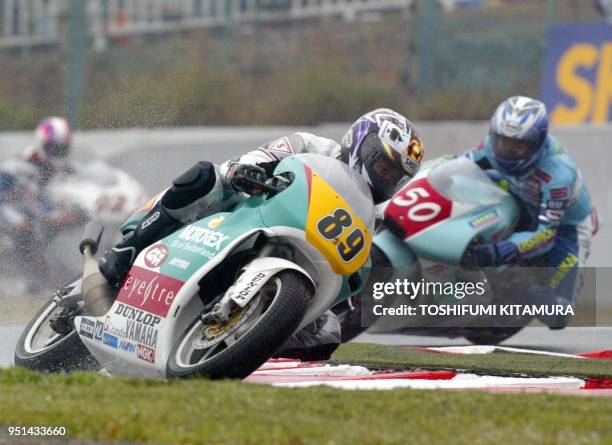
{"points": [[47, 156]]}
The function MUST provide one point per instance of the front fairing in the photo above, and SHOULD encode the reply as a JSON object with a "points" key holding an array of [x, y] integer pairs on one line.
{"points": [[338, 214], [442, 210]]}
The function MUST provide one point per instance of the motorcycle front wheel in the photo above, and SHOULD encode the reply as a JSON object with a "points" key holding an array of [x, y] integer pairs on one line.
{"points": [[252, 336]]}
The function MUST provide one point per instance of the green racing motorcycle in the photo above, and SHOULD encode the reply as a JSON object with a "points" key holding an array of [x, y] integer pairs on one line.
{"points": [[218, 297]]}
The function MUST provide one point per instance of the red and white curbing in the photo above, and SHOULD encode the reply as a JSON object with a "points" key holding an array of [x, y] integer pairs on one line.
{"points": [[293, 373], [485, 349]]}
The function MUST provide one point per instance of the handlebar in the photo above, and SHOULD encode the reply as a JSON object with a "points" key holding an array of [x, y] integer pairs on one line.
{"points": [[253, 185]]}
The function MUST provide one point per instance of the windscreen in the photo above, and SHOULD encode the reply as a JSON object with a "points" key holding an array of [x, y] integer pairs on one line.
{"points": [[461, 180]]}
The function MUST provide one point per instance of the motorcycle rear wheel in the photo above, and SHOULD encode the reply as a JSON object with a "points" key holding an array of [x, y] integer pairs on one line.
{"points": [[277, 311], [41, 349]]}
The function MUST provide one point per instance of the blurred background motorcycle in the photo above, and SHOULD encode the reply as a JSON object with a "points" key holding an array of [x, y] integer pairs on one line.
{"points": [[36, 226]]}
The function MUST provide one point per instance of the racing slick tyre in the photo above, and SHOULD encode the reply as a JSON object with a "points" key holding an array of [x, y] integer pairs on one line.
{"points": [[40, 348], [251, 336], [491, 336]]}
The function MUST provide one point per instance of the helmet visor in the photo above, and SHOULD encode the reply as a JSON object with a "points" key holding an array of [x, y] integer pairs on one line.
{"points": [[385, 176], [383, 171], [510, 149]]}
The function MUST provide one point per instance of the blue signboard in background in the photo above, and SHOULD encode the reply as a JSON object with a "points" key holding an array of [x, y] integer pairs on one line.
{"points": [[577, 80]]}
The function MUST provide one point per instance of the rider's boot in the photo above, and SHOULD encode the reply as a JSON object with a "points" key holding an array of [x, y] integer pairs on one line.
{"points": [[317, 341], [164, 218], [116, 262], [545, 296]]}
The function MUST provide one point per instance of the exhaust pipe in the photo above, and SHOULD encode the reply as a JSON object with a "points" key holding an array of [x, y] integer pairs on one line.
{"points": [[97, 294]]}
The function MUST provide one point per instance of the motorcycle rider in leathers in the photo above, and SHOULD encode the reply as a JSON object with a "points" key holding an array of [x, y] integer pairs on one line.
{"points": [[382, 145], [26, 178], [557, 219]]}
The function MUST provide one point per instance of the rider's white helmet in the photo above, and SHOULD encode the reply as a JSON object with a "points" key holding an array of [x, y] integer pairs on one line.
{"points": [[53, 139], [385, 147]]}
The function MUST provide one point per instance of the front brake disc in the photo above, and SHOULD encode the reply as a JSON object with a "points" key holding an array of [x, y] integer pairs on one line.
{"points": [[213, 333]]}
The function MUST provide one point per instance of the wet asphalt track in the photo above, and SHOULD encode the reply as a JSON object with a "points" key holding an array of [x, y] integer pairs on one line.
{"points": [[155, 157]]}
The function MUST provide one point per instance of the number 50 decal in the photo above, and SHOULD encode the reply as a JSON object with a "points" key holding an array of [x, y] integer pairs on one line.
{"points": [[331, 228], [423, 211], [418, 206]]}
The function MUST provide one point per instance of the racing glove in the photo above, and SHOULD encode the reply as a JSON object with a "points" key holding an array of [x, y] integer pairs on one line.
{"points": [[494, 254]]}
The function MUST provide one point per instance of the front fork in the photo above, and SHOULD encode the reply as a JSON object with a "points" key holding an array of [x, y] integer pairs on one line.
{"points": [[252, 278]]}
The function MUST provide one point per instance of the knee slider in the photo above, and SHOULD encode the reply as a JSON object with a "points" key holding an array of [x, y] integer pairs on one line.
{"points": [[190, 186]]}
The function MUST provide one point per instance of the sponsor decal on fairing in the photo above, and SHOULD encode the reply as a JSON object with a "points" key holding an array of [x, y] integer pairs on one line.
{"points": [[419, 206], [111, 329], [145, 353], [127, 346], [137, 315], [216, 222], [485, 219], [156, 256], [149, 291], [141, 333], [198, 240], [139, 326], [203, 236], [110, 340], [99, 331], [181, 264], [87, 328]]}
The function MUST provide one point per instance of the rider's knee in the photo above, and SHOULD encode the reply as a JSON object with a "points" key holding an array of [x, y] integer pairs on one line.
{"points": [[191, 185]]}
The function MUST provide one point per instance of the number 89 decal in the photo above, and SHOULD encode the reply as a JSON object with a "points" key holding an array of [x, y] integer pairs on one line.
{"points": [[331, 227]]}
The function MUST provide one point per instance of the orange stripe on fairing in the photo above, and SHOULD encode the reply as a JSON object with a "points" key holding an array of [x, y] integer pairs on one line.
{"points": [[308, 171]]}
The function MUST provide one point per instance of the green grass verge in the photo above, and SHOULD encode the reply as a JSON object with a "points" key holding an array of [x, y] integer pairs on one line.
{"points": [[93, 407], [500, 363]]}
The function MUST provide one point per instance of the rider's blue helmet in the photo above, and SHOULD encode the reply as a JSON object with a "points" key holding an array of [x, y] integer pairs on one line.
{"points": [[517, 134]]}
